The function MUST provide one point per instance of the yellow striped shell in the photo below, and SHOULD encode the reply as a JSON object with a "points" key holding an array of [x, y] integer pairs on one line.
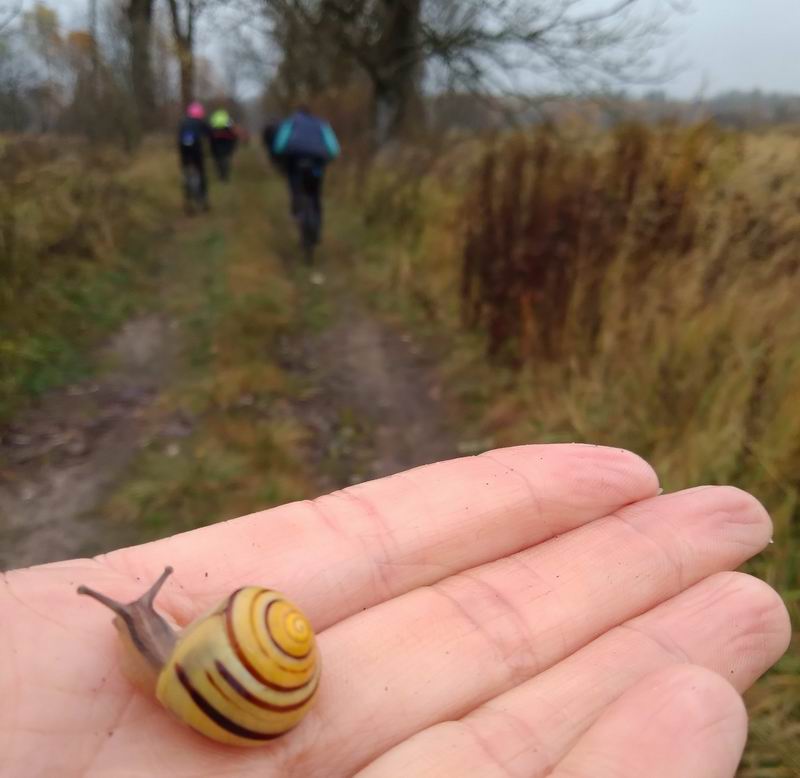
{"points": [[242, 674], [245, 673]]}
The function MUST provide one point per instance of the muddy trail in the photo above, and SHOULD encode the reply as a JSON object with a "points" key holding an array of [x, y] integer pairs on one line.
{"points": [[373, 401], [368, 401], [59, 459]]}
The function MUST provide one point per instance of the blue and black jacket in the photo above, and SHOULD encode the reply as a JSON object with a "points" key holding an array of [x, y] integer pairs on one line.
{"points": [[192, 134], [304, 135]]}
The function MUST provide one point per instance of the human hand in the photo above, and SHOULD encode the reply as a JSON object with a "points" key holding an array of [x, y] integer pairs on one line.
{"points": [[533, 611]]}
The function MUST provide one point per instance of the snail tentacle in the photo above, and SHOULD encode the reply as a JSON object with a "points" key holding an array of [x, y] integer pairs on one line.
{"points": [[149, 632], [243, 673]]}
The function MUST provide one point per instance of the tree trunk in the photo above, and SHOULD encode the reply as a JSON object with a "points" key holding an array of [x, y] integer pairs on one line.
{"points": [[186, 60], [396, 94], [140, 20], [183, 35]]}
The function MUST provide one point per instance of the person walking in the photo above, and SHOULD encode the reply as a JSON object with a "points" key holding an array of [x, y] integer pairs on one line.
{"points": [[223, 138], [305, 144], [193, 131]]}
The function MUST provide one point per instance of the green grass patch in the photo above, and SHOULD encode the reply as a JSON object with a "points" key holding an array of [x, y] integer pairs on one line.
{"points": [[76, 259], [233, 301]]}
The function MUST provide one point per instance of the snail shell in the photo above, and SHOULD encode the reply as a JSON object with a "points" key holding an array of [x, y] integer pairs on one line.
{"points": [[242, 674]]}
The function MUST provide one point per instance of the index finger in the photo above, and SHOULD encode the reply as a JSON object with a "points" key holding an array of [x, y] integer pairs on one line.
{"points": [[354, 548]]}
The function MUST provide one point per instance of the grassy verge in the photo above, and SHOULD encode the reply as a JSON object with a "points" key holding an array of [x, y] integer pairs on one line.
{"points": [[637, 292], [74, 227], [238, 445]]}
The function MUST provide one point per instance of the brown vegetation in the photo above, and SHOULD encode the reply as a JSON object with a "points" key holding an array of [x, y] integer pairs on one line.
{"points": [[637, 289], [550, 221], [69, 220]]}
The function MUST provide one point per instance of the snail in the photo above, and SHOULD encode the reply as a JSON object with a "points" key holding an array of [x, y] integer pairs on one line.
{"points": [[243, 673]]}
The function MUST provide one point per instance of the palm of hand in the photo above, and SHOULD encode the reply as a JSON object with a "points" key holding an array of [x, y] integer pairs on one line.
{"points": [[534, 611]]}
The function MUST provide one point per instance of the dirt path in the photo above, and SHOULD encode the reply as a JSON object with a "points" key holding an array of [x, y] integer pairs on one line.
{"points": [[61, 458], [370, 404], [368, 399], [373, 404]]}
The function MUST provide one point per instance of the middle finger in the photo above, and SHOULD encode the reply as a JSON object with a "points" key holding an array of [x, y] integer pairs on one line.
{"points": [[438, 652]]}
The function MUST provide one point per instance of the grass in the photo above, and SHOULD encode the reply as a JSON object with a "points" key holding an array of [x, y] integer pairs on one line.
{"points": [[89, 239], [636, 289], [74, 223], [233, 301]]}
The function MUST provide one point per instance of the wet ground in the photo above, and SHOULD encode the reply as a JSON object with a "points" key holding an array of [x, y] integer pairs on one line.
{"points": [[373, 405], [60, 458], [370, 403]]}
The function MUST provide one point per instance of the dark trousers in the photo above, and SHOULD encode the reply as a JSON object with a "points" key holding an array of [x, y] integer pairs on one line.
{"points": [[223, 163], [196, 162], [305, 180]]}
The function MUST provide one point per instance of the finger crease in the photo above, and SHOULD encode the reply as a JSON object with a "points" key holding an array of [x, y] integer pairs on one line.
{"points": [[375, 545], [504, 648], [368, 509], [675, 561], [669, 647], [528, 737], [486, 747], [532, 492], [326, 518]]}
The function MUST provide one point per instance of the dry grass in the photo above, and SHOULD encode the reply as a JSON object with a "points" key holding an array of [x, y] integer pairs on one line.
{"points": [[71, 218], [637, 289], [87, 237], [233, 302]]}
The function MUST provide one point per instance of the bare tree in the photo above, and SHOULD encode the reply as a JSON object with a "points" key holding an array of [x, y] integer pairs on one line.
{"points": [[379, 38], [184, 15], [581, 44], [397, 70], [8, 14], [139, 15], [482, 45], [17, 72], [77, 81], [41, 28]]}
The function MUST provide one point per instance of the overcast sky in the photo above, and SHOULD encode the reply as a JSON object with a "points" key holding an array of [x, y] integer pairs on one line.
{"points": [[739, 44], [725, 44]]}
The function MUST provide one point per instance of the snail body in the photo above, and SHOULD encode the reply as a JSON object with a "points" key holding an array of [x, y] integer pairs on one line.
{"points": [[242, 674]]}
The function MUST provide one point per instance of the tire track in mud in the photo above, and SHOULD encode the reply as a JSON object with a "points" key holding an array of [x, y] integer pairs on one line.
{"points": [[60, 459], [372, 402], [368, 398]]}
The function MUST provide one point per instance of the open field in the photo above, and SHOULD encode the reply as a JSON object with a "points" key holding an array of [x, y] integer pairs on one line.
{"points": [[637, 289], [77, 226]]}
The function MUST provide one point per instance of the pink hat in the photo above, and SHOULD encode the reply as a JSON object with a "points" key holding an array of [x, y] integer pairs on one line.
{"points": [[196, 110]]}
